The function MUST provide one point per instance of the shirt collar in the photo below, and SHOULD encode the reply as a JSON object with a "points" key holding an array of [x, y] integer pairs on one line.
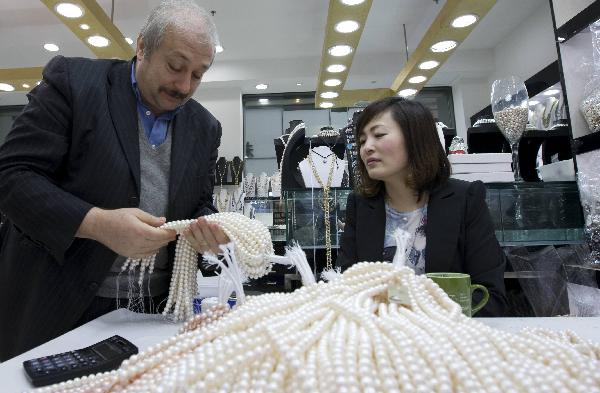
{"points": [[167, 115]]}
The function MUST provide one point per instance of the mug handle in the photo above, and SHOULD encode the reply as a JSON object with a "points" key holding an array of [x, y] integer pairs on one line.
{"points": [[486, 297]]}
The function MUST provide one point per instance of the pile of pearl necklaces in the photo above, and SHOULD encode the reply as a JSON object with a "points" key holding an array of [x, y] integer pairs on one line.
{"points": [[344, 336], [252, 248]]}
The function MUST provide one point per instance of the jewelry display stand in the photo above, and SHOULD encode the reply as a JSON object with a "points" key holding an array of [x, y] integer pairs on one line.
{"points": [[229, 172], [237, 169]]}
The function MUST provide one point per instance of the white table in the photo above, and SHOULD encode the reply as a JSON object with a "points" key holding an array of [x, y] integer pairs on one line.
{"points": [[144, 330]]}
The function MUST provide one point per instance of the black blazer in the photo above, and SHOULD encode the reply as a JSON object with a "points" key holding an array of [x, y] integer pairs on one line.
{"points": [[75, 146], [459, 237]]}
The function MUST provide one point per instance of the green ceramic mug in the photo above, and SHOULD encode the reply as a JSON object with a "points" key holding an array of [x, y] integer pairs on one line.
{"points": [[459, 288]]}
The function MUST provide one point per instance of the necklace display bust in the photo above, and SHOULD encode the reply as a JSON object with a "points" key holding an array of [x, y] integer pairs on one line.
{"points": [[262, 185], [322, 158]]}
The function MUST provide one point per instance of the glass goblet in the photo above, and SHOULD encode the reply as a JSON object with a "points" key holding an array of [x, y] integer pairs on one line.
{"points": [[510, 108]]}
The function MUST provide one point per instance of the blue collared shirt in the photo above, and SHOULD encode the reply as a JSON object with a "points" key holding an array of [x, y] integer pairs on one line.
{"points": [[155, 127]]}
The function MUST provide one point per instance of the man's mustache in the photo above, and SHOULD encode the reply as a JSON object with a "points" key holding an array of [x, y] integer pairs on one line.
{"points": [[175, 94]]}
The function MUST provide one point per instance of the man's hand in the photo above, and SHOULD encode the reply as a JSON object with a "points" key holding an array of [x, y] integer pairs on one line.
{"points": [[205, 236], [129, 232]]}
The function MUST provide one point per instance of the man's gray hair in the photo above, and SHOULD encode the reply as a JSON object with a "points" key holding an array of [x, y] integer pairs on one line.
{"points": [[179, 15]]}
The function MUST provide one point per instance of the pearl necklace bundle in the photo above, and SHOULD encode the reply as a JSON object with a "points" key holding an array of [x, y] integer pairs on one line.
{"points": [[345, 336], [252, 247]]}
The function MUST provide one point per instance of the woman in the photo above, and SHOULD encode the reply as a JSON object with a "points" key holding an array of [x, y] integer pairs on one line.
{"points": [[405, 183]]}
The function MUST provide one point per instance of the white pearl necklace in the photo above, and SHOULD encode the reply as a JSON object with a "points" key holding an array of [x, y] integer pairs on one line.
{"points": [[345, 336], [252, 248]]}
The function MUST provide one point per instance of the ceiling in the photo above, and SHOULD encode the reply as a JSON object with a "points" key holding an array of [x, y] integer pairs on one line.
{"points": [[278, 42]]}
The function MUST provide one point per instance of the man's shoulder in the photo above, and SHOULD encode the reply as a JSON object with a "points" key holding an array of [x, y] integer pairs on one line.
{"points": [[82, 63]]}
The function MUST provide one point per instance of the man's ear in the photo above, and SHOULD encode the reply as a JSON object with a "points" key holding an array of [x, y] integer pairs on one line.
{"points": [[139, 52]]}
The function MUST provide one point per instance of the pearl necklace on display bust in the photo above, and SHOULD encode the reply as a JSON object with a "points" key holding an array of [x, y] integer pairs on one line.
{"points": [[262, 185], [250, 185], [347, 336]]}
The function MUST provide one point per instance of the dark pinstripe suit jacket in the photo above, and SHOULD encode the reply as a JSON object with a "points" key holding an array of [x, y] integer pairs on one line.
{"points": [[459, 237], [76, 146]]}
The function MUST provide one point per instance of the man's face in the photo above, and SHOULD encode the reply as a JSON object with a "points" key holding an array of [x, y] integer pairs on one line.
{"points": [[170, 76]]}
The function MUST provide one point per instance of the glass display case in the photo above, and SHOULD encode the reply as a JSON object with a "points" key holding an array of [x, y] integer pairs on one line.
{"points": [[305, 219], [536, 213], [269, 211], [529, 213]]}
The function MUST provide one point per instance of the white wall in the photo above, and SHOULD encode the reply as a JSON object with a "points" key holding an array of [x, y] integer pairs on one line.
{"points": [[524, 52], [529, 48], [469, 98], [226, 105]]}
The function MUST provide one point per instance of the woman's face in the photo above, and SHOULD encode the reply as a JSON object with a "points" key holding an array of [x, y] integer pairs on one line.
{"points": [[383, 149]]}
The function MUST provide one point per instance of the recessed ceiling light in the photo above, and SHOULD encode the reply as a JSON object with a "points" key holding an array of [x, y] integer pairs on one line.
{"points": [[6, 87], [84, 26], [428, 65], [297, 100], [352, 2], [326, 104], [51, 47], [129, 40], [464, 21], [346, 26], [332, 82], [329, 94], [443, 46], [69, 10], [417, 79], [533, 102], [551, 92], [407, 92], [261, 86], [25, 86], [340, 50], [263, 101], [219, 48], [336, 68], [98, 41], [298, 84]]}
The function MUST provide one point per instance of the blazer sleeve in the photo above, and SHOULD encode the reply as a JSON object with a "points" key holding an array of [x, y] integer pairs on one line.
{"points": [[206, 207], [32, 160], [484, 259], [346, 255]]}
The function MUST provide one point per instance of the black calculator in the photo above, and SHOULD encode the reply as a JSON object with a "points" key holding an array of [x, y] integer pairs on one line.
{"points": [[103, 356]]}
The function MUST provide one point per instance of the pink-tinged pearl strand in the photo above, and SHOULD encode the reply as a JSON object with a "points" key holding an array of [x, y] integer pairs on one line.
{"points": [[345, 336]]}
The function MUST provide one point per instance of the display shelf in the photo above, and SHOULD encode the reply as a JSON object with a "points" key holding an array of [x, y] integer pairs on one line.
{"points": [[524, 214]]}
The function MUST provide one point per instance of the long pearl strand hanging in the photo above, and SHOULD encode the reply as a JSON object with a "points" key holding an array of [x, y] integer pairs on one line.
{"points": [[345, 336], [252, 248]]}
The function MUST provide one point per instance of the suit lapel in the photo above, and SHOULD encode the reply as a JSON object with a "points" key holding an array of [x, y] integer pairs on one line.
{"points": [[183, 145], [373, 232], [443, 227], [123, 111]]}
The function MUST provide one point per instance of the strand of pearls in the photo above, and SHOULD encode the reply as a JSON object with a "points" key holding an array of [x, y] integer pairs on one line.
{"points": [[252, 248], [344, 337]]}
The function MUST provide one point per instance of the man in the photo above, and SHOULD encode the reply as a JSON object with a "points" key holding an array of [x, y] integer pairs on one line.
{"points": [[105, 152]]}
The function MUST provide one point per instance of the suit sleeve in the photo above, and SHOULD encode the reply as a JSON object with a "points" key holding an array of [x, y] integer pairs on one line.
{"points": [[346, 256], [32, 162], [206, 207], [484, 259]]}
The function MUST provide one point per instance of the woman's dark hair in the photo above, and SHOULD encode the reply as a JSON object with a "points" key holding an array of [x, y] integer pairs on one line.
{"points": [[427, 161]]}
